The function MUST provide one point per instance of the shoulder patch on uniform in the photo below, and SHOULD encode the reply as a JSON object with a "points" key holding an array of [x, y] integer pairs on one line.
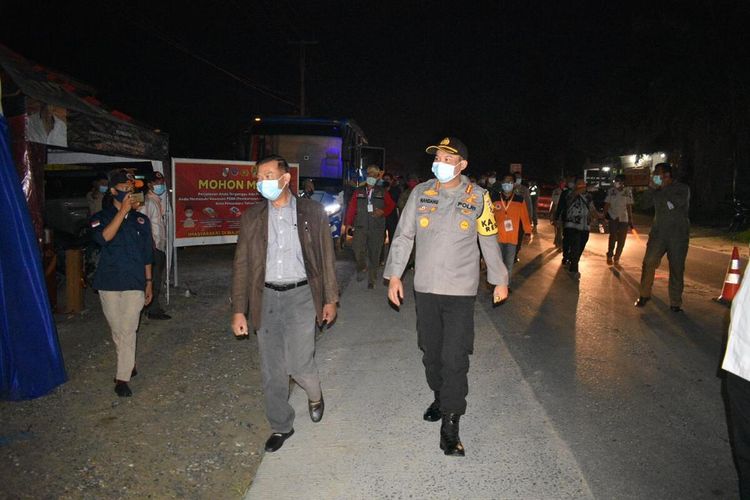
{"points": [[141, 220], [486, 225]]}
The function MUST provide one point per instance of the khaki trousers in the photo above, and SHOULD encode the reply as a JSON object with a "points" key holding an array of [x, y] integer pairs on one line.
{"points": [[123, 313]]}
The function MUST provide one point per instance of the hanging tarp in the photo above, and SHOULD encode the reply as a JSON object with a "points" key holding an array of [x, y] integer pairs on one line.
{"points": [[106, 136], [31, 363], [63, 112]]}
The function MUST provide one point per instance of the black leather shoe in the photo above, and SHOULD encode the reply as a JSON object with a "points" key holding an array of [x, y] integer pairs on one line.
{"points": [[276, 440], [675, 309], [641, 301], [158, 315], [432, 413], [450, 442], [122, 390], [316, 409]]}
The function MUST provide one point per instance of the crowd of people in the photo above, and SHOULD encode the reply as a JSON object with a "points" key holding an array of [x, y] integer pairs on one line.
{"points": [[444, 228], [448, 222]]}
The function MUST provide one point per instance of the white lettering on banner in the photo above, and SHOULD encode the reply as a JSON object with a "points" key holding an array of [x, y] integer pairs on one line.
{"points": [[232, 184]]}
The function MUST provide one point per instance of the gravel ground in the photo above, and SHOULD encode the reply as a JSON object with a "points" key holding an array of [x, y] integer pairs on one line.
{"points": [[194, 427]]}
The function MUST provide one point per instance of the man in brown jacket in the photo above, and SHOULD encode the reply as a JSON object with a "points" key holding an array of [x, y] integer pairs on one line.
{"points": [[284, 273]]}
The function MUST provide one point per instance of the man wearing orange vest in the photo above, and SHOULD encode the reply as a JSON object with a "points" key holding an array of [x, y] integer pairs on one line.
{"points": [[511, 212]]}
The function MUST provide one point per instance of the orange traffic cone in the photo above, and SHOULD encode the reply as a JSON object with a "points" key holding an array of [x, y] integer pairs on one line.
{"points": [[732, 280]]}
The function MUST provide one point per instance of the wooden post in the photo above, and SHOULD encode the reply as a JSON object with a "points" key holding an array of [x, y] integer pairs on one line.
{"points": [[50, 268], [73, 280]]}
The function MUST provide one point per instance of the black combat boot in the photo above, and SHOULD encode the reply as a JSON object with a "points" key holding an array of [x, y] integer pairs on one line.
{"points": [[432, 413], [450, 442]]}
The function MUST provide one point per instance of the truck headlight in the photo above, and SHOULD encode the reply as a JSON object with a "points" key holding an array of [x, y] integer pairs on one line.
{"points": [[332, 208]]}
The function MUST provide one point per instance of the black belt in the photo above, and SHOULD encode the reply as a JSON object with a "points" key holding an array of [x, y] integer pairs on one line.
{"points": [[284, 288]]}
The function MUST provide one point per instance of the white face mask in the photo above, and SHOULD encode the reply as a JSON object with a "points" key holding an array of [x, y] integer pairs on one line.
{"points": [[444, 172], [269, 189]]}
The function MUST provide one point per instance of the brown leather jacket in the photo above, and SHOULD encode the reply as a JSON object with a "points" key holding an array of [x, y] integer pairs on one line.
{"points": [[249, 269]]}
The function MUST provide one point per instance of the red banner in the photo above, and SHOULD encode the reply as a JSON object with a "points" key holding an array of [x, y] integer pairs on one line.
{"points": [[209, 196]]}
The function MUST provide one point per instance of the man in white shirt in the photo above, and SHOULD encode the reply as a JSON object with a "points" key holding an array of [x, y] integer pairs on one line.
{"points": [[154, 210], [618, 206], [737, 364]]}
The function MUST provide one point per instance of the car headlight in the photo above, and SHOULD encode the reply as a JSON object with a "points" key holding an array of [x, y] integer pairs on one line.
{"points": [[332, 208]]}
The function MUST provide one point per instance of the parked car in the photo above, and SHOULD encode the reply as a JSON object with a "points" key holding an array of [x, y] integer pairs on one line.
{"points": [[332, 205], [544, 201]]}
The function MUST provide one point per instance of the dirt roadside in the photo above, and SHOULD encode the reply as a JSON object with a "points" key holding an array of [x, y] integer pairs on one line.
{"points": [[194, 427]]}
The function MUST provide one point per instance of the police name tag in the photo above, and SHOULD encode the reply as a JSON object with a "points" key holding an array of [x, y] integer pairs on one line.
{"points": [[370, 208], [508, 224]]}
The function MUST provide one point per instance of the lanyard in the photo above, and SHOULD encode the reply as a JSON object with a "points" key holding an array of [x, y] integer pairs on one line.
{"points": [[505, 206]]}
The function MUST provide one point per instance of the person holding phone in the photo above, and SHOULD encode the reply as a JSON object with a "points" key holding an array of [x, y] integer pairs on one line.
{"points": [[123, 276], [446, 216]]}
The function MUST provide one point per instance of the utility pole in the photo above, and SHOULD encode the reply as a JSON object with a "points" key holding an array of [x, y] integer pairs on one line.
{"points": [[302, 44]]}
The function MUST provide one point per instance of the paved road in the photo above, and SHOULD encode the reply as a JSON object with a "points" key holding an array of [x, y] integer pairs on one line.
{"points": [[373, 443], [634, 392], [574, 393]]}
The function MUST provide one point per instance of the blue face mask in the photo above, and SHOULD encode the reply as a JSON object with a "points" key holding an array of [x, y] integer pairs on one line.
{"points": [[121, 195], [160, 189], [269, 189], [371, 181], [103, 189], [507, 187], [444, 172], [657, 180]]}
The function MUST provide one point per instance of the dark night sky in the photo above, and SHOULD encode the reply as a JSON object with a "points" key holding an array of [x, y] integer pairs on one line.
{"points": [[512, 79]]}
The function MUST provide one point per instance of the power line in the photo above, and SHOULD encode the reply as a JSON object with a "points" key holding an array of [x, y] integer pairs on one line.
{"points": [[182, 48]]}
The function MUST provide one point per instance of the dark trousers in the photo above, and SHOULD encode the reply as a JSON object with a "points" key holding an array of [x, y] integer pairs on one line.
{"points": [[445, 330], [558, 235], [618, 232], [520, 240], [676, 248], [367, 245], [577, 240], [286, 341], [157, 275], [391, 222], [738, 390], [566, 242]]}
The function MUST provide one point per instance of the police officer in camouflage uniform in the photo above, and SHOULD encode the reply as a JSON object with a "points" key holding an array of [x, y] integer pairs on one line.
{"points": [[670, 234], [366, 214], [446, 217]]}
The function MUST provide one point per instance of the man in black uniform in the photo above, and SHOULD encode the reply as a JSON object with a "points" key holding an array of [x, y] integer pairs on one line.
{"points": [[123, 276]]}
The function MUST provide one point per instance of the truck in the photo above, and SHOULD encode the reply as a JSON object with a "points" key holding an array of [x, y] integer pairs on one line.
{"points": [[333, 153]]}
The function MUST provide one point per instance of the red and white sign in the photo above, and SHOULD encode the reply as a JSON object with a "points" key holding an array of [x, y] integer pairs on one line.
{"points": [[210, 196]]}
